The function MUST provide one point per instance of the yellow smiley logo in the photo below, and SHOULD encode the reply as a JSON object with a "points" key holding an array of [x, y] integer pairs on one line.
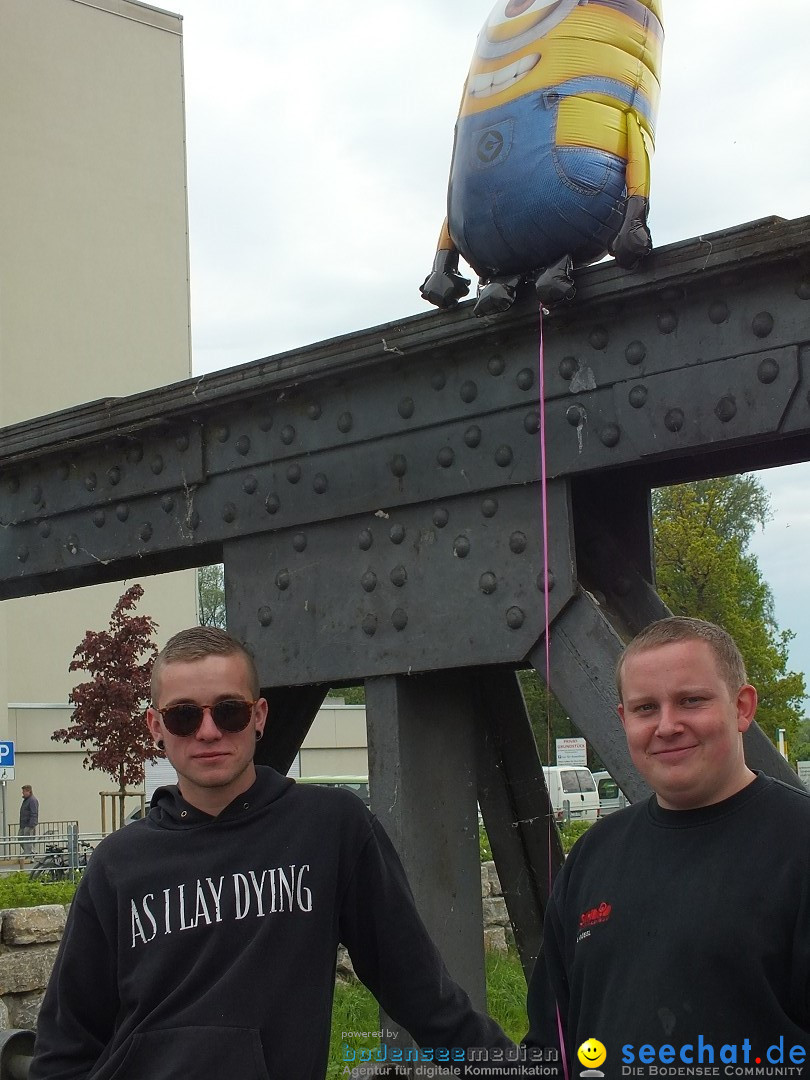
{"points": [[592, 1054]]}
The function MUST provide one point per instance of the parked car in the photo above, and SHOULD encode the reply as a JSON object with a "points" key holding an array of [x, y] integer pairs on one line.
{"points": [[611, 797], [572, 791], [357, 784]]}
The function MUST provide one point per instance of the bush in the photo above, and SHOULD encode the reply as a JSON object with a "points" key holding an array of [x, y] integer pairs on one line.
{"points": [[571, 831], [355, 1010], [18, 890]]}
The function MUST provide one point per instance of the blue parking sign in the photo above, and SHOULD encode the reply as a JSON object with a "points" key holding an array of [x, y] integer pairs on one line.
{"points": [[6, 753]]}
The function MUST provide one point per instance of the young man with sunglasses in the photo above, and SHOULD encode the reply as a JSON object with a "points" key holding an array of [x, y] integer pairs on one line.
{"points": [[202, 940]]}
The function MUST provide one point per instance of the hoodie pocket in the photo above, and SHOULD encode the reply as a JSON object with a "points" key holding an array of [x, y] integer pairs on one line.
{"points": [[179, 1053]]}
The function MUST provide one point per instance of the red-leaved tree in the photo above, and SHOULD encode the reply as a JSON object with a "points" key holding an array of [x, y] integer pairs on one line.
{"points": [[108, 716]]}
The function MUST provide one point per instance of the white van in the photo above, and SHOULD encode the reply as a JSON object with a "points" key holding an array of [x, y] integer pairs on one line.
{"points": [[574, 785], [611, 798]]}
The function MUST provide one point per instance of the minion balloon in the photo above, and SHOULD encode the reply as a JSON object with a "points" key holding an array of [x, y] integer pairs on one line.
{"points": [[551, 163]]}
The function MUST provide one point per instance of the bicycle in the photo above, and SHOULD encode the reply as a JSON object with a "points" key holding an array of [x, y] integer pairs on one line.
{"points": [[54, 864]]}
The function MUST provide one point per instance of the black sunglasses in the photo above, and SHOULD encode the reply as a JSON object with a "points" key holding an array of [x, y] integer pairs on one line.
{"points": [[185, 719]]}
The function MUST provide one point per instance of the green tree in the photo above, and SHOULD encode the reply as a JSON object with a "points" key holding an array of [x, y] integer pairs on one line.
{"points": [[704, 570], [211, 594]]}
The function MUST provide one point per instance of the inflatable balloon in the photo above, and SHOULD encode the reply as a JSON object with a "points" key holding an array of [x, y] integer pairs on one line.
{"points": [[551, 163]]}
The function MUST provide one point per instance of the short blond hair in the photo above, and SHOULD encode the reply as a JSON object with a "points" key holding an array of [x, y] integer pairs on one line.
{"points": [[679, 628], [197, 643]]}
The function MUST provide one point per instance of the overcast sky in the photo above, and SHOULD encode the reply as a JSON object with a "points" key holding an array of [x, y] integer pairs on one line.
{"points": [[319, 140]]}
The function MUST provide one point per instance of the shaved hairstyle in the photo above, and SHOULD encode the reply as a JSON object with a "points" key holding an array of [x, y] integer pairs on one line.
{"points": [[196, 644], [677, 628]]}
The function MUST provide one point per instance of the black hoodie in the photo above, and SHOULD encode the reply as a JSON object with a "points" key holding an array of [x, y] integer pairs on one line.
{"points": [[205, 947]]}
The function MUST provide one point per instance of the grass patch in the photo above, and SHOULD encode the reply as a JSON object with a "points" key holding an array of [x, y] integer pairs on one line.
{"points": [[18, 890], [356, 1010]]}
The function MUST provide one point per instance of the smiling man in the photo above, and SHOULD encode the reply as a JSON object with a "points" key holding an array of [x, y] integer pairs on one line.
{"points": [[202, 940], [678, 933]]}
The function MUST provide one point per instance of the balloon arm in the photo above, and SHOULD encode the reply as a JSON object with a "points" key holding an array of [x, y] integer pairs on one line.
{"points": [[445, 286], [633, 241], [638, 159]]}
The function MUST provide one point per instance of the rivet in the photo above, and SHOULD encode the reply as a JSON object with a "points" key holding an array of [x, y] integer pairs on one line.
{"points": [[99, 519], [369, 581], [63, 471], [472, 436], [243, 445], [283, 580], [182, 443], [113, 476], [122, 511], [250, 485], [272, 504], [638, 397], [667, 322], [674, 419], [445, 457], [398, 576], [598, 337], [496, 365], [568, 368], [461, 547], [229, 512], [167, 503], [299, 542], [440, 518], [488, 583], [72, 544], [287, 434], [293, 473], [768, 371], [622, 586], [517, 543], [135, 453], [265, 616], [438, 380], [725, 409], [531, 422], [575, 415], [37, 495], [45, 530], [503, 456], [369, 625], [541, 585], [22, 554], [222, 433], [762, 324], [635, 353], [345, 422], [193, 520], [610, 435], [320, 484], [314, 411], [365, 540], [90, 482], [468, 391], [399, 618], [525, 379], [156, 464], [803, 289], [406, 408], [489, 507], [718, 312], [266, 422], [397, 534], [399, 465], [514, 618]]}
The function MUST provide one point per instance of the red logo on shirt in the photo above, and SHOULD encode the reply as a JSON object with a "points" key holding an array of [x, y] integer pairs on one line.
{"points": [[595, 915]]}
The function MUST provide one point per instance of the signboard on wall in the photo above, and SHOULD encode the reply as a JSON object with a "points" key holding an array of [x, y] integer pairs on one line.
{"points": [[572, 752]]}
